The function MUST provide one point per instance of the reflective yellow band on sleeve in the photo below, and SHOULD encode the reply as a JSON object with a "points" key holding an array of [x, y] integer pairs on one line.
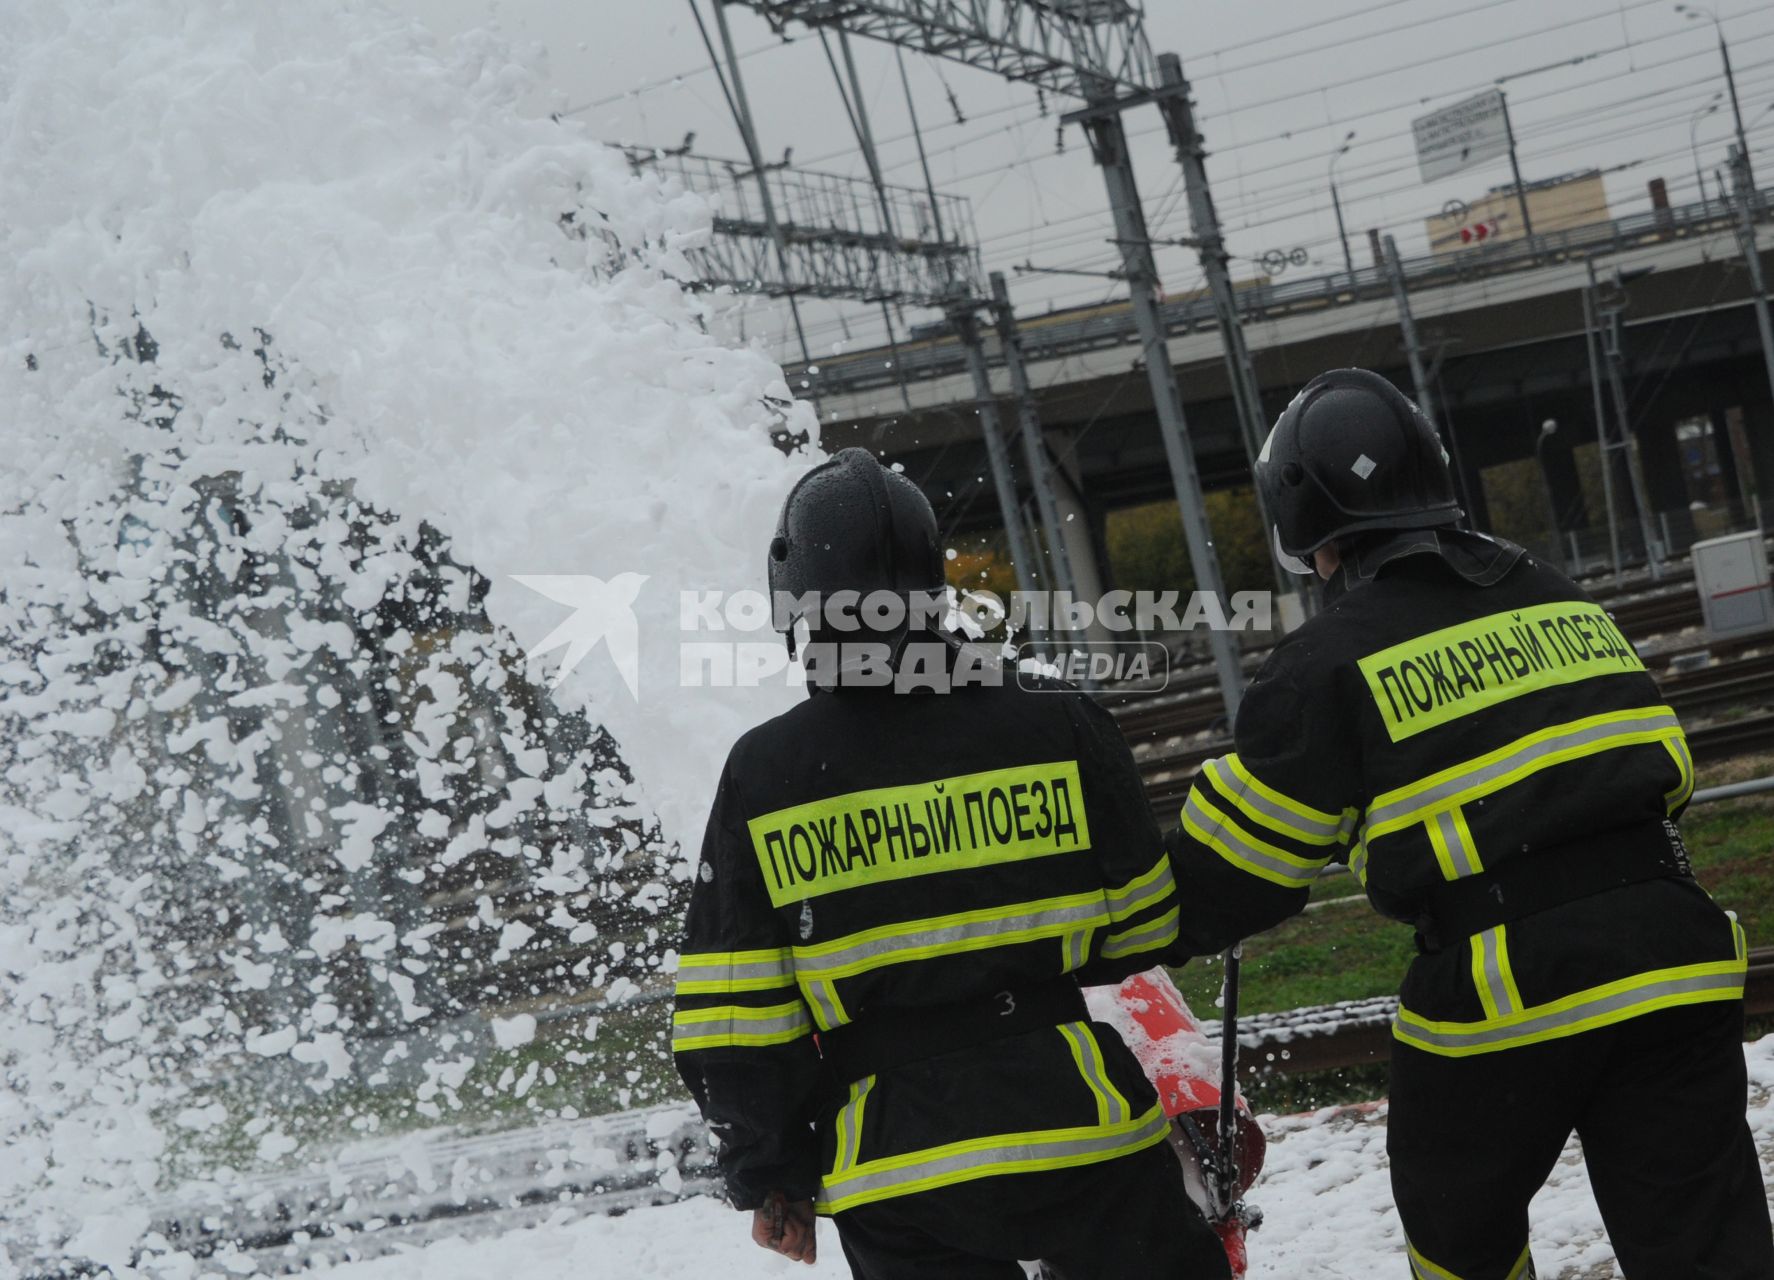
{"points": [[849, 1125], [1451, 839], [1140, 893], [822, 997], [739, 1026], [1111, 1107], [1463, 783], [722, 972], [1684, 765], [947, 824], [1436, 678], [1491, 974], [1150, 936], [1006, 1153], [956, 934], [1581, 1011], [1270, 808], [1213, 828]]}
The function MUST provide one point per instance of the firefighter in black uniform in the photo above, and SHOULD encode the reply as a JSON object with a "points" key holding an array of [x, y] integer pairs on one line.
{"points": [[1481, 745], [878, 1006]]}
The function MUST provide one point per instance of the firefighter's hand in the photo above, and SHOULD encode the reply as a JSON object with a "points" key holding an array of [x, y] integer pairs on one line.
{"points": [[786, 1227]]}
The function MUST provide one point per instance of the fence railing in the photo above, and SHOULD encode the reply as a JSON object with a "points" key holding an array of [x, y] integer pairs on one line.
{"points": [[1071, 333]]}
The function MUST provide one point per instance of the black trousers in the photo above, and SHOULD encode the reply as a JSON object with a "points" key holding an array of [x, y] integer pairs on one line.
{"points": [[1122, 1219], [1658, 1102]]}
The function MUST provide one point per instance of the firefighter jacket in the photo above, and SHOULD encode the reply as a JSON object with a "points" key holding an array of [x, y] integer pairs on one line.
{"points": [[1460, 707], [871, 850]]}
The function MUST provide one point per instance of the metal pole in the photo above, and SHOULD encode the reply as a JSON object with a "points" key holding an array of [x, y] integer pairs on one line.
{"points": [[1034, 446], [967, 328], [1521, 192], [1108, 146], [1611, 347], [1179, 114], [865, 135], [1736, 108], [1204, 220], [1348, 258], [1601, 421], [1337, 204], [1752, 257], [1408, 329], [742, 117]]}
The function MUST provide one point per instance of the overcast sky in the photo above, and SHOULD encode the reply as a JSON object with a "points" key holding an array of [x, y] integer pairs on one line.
{"points": [[1275, 101]]}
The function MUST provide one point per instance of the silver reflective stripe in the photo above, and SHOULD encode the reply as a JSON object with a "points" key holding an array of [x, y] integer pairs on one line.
{"points": [[1523, 756], [732, 1020], [1228, 839], [850, 1125], [1152, 934], [1090, 1062], [753, 968], [1287, 821], [825, 1004], [969, 932], [1077, 949], [1489, 945], [1545, 1026], [1125, 901], [941, 1166], [1460, 854]]}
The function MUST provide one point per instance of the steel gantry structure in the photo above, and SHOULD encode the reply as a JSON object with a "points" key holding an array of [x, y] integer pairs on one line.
{"points": [[1096, 51], [839, 236], [790, 233]]}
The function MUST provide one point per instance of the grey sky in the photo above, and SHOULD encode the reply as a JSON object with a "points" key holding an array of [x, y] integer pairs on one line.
{"points": [[1273, 106]]}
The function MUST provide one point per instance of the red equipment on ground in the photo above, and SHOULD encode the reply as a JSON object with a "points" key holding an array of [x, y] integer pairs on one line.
{"points": [[1185, 1067]]}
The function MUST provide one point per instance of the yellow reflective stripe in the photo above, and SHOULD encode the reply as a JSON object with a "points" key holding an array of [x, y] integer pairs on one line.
{"points": [[1358, 862], [1438, 677], [1281, 813], [1077, 947], [949, 935], [1684, 767], [1218, 832], [723, 972], [1423, 1269], [1111, 1107], [1143, 891], [822, 998], [849, 1125], [1451, 839], [946, 824], [1491, 974], [1461, 784], [1581, 1011], [728, 1025], [1032, 1152], [1150, 936]]}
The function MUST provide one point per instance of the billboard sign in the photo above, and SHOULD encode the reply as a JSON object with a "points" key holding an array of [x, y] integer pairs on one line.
{"points": [[1469, 132]]}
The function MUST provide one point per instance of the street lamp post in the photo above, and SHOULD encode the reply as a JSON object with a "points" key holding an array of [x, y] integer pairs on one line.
{"points": [[1694, 139], [1337, 204], [1694, 12], [1548, 429]]}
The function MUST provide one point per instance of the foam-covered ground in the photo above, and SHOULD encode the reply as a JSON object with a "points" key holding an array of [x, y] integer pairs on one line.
{"points": [[1324, 1193]]}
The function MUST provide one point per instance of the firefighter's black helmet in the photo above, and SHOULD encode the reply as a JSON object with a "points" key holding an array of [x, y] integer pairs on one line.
{"points": [[851, 524], [1351, 453]]}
